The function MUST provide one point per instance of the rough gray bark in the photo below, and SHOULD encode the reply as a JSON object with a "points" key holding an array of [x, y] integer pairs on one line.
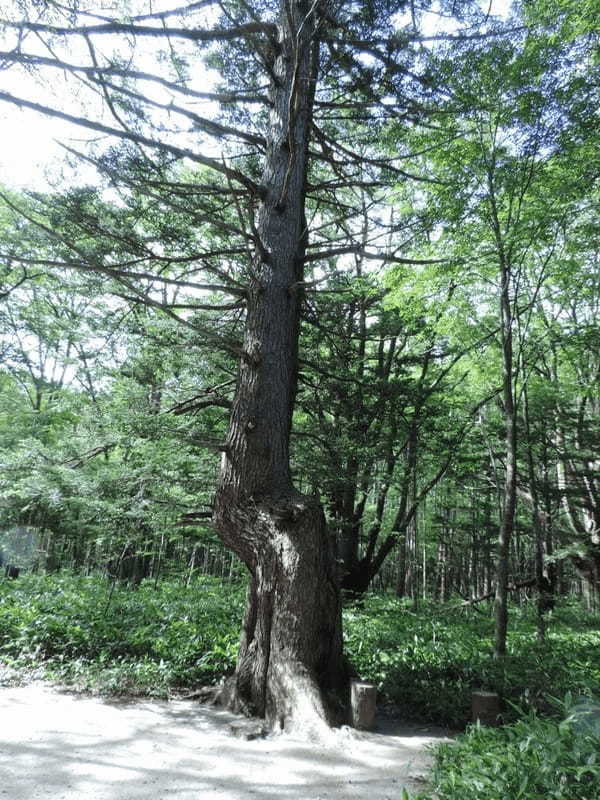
{"points": [[290, 665]]}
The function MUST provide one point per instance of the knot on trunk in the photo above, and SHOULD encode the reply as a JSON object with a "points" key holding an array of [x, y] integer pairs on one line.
{"points": [[290, 509]]}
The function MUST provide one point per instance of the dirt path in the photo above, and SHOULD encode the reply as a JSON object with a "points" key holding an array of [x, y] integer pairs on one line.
{"points": [[59, 746]]}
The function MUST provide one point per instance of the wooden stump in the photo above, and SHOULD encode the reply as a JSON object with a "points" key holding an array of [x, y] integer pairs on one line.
{"points": [[485, 708], [363, 697], [11, 571]]}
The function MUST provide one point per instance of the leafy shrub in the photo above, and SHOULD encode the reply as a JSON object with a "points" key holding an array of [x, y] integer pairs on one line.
{"points": [[532, 759], [118, 640], [428, 663], [164, 635]]}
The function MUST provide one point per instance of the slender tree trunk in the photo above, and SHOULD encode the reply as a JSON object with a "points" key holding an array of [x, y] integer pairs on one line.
{"points": [[290, 667], [545, 600], [355, 576], [548, 514], [510, 478], [192, 565], [440, 591], [401, 567]]}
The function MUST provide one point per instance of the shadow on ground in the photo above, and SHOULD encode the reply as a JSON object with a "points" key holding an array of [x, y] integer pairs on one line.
{"points": [[58, 746]]}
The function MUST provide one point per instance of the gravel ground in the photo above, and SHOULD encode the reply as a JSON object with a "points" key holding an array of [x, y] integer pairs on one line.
{"points": [[60, 746]]}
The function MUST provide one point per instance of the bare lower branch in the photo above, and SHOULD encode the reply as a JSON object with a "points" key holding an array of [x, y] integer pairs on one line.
{"points": [[112, 28], [137, 138], [112, 71], [358, 250], [117, 272]]}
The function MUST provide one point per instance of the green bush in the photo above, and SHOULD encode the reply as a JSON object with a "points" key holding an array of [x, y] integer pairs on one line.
{"points": [[118, 640], [532, 759], [165, 635], [428, 663]]}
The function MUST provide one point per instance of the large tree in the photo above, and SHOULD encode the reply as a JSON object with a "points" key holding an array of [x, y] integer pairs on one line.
{"points": [[304, 91]]}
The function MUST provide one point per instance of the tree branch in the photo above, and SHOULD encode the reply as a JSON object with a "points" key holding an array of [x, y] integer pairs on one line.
{"points": [[137, 138], [110, 28]]}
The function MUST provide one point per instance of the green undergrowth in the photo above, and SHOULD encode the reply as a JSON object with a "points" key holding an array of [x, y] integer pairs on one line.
{"points": [[111, 639], [428, 662], [535, 758]]}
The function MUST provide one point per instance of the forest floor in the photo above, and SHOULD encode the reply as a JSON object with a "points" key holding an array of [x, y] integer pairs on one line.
{"points": [[61, 746]]}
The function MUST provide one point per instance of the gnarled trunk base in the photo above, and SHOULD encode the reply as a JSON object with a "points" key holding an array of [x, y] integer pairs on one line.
{"points": [[290, 668]]}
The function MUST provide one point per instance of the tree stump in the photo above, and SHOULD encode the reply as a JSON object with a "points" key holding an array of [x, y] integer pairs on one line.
{"points": [[11, 571], [363, 697], [485, 708]]}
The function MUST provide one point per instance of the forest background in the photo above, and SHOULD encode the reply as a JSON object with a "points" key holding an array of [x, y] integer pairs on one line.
{"points": [[445, 298]]}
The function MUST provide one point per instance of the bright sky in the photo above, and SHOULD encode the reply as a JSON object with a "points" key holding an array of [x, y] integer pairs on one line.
{"points": [[31, 156], [29, 150]]}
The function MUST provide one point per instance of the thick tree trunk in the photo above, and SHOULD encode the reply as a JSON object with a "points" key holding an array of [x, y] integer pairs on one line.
{"points": [[290, 661], [290, 668]]}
